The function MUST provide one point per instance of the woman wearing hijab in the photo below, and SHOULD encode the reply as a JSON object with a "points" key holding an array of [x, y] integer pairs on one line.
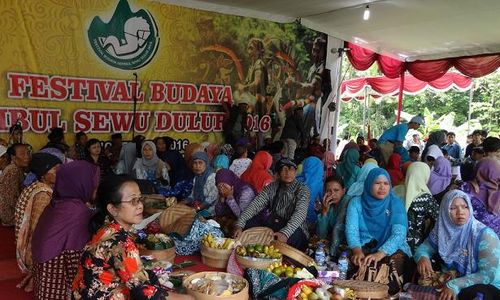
{"points": [[221, 161], [241, 162], [465, 245], [29, 207], [62, 230], [312, 176], [349, 168], [331, 220], [420, 204], [205, 194], [436, 139], [234, 197], [356, 189], [484, 193], [190, 150], [180, 175], [257, 175], [376, 223], [329, 162], [149, 166], [394, 169], [31, 177], [440, 178]]}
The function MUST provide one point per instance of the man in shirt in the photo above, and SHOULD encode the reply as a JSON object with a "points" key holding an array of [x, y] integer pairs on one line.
{"points": [[396, 135], [453, 149], [293, 133], [477, 140], [287, 201]]}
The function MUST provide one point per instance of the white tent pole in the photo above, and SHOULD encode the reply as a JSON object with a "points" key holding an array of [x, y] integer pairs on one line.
{"points": [[364, 111], [471, 96], [338, 102]]}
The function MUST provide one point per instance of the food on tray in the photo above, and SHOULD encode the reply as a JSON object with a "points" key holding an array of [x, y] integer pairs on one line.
{"points": [[217, 243], [259, 251], [217, 285], [310, 293]]}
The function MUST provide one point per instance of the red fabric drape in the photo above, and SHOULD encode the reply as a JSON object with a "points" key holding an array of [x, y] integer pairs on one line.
{"points": [[425, 70], [387, 86]]}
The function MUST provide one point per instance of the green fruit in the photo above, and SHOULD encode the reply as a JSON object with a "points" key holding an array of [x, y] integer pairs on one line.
{"points": [[313, 296], [289, 273], [258, 248], [250, 249], [277, 271]]}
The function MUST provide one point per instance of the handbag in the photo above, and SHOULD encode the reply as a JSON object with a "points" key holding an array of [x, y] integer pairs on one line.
{"points": [[387, 271]]}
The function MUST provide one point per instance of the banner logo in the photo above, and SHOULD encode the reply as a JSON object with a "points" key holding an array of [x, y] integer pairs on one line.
{"points": [[128, 41]]}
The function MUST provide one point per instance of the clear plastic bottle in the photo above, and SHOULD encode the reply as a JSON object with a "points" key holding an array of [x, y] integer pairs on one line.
{"points": [[319, 255], [343, 266]]}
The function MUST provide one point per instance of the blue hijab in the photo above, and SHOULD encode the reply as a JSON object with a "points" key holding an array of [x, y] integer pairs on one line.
{"points": [[200, 180], [357, 187], [312, 176], [381, 214], [451, 240], [221, 161], [349, 168], [179, 171]]}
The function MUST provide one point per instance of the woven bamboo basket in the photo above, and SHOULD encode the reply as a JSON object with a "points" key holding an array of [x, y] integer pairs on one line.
{"points": [[293, 253], [256, 235], [150, 200], [364, 289], [216, 258], [177, 218], [164, 254], [241, 295]]}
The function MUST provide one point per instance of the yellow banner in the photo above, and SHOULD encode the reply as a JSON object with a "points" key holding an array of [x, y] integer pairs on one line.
{"points": [[81, 65]]}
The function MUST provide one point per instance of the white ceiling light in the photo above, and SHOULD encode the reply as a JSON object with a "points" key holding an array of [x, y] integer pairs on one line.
{"points": [[366, 14]]}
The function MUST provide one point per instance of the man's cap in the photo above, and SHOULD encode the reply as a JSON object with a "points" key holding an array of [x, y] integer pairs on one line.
{"points": [[418, 120], [285, 161]]}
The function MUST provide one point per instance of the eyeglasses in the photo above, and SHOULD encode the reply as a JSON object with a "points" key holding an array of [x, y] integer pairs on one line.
{"points": [[135, 201]]}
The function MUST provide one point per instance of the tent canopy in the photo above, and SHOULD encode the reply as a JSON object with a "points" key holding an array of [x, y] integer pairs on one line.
{"points": [[383, 86], [406, 30]]}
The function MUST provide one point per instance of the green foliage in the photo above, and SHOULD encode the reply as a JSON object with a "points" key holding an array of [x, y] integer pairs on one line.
{"points": [[441, 110]]}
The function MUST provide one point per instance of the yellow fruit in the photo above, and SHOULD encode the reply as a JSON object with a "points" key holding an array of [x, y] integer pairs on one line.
{"points": [[312, 296], [306, 290], [297, 270], [303, 296]]}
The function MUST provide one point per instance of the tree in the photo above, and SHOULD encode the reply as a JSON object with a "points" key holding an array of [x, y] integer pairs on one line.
{"points": [[437, 107]]}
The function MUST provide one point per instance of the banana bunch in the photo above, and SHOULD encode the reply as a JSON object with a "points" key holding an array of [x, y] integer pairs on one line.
{"points": [[209, 241]]}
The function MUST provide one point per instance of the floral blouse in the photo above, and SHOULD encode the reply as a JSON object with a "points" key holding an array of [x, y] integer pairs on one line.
{"points": [[111, 268]]}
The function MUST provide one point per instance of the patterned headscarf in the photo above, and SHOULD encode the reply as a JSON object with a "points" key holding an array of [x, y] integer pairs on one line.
{"points": [[457, 245]]}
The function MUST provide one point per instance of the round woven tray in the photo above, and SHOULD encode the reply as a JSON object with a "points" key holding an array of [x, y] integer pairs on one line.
{"points": [[177, 218], [165, 254], [154, 198], [242, 295], [364, 289], [255, 263]]}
